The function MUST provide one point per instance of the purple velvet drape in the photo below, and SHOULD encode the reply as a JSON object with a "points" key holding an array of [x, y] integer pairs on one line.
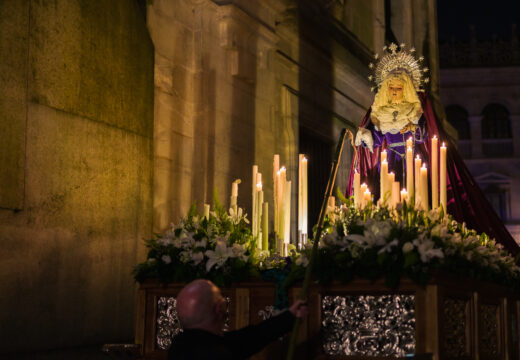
{"points": [[466, 201]]}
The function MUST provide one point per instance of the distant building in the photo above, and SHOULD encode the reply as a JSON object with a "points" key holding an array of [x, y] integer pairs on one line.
{"points": [[480, 89]]}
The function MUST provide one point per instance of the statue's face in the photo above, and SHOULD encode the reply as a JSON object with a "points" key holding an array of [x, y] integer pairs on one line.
{"points": [[395, 89]]}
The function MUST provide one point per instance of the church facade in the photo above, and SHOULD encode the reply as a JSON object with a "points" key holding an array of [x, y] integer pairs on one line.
{"points": [[118, 115]]}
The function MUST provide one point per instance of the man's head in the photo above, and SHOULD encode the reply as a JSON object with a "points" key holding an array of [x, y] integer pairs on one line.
{"points": [[200, 305]]}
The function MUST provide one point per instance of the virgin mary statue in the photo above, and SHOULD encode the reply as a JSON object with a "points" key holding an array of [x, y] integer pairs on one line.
{"points": [[401, 110]]}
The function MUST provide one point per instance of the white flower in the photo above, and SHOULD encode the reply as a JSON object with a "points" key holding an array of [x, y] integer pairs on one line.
{"points": [[407, 247], [426, 249], [165, 241], [388, 247], [217, 257], [170, 233], [302, 260], [434, 214], [439, 230], [202, 243], [376, 232], [358, 239], [329, 239], [185, 256], [188, 241], [238, 251], [197, 257], [166, 259], [263, 255]]}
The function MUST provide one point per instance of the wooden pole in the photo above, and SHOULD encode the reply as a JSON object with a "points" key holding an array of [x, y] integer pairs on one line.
{"points": [[312, 260]]}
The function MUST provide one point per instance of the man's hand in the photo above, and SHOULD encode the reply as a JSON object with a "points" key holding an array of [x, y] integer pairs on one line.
{"points": [[299, 309]]}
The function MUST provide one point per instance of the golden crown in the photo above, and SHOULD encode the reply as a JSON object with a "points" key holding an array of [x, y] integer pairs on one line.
{"points": [[395, 59]]}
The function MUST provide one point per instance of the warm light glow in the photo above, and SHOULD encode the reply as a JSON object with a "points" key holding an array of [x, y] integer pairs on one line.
{"points": [[259, 186]]}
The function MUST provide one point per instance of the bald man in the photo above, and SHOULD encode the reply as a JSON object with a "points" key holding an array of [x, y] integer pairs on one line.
{"points": [[202, 312]]}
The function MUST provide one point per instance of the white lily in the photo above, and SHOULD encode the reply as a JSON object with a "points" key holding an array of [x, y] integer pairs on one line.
{"points": [[217, 257]]}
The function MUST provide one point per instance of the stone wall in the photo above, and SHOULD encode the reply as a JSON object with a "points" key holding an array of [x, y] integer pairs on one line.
{"points": [[76, 170], [229, 94]]}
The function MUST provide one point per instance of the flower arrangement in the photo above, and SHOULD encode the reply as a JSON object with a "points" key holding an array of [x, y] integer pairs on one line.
{"points": [[371, 243], [218, 247], [379, 242]]}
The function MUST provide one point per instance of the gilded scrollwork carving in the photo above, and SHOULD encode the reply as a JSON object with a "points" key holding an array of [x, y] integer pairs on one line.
{"points": [[368, 325], [454, 327]]}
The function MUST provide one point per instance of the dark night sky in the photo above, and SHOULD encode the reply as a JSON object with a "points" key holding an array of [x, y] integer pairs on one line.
{"points": [[489, 17]]}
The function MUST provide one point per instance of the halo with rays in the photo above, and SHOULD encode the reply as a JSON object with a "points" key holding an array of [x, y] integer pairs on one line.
{"points": [[397, 58]]}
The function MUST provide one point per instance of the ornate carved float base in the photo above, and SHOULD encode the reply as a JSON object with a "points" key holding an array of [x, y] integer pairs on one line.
{"points": [[447, 319]]}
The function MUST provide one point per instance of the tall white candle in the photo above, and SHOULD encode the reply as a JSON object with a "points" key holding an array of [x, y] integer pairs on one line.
{"points": [[305, 196], [384, 156], [254, 217], [404, 195], [395, 194], [281, 205], [435, 172], [258, 203], [367, 196], [287, 215], [363, 189], [417, 191], [300, 193], [424, 187], [389, 188], [357, 189], [234, 194], [383, 180], [331, 205], [265, 226], [206, 211], [409, 168], [409, 142], [276, 180], [443, 178]]}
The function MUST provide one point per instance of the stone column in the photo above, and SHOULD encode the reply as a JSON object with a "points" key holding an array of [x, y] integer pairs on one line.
{"points": [[476, 136]]}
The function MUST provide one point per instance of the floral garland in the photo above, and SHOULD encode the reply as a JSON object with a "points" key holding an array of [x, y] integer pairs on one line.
{"points": [[378, 242], [370, 243]]}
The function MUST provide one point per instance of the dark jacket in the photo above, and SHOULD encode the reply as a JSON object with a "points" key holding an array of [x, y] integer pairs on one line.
{"points": [[195, 344]]}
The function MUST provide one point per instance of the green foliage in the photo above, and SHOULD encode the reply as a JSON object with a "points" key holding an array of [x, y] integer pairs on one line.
{"points": [[370, 243]]}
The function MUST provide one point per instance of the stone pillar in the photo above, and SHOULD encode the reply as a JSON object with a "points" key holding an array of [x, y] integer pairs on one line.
{"points": [[402, 21], [476, 136]]}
